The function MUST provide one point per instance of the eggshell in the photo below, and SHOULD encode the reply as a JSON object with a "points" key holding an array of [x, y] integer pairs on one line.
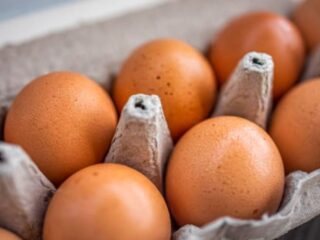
{"points": [[307, 17], [107, 201], [177, 73], [6, 235], [224, 166], [262, 32], [295, 127], [64, 121]]}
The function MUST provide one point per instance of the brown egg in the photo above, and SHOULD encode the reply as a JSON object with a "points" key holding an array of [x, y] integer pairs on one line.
{"points": [[64, 121], [295, 127], [6, 235], [224, 166], [261, 32], [307, 17], [107, 201], [177, 73]]}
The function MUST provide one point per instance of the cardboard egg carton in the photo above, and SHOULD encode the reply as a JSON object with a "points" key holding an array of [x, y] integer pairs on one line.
{"points": [[142, 141], [98, 50], [24, 192]]}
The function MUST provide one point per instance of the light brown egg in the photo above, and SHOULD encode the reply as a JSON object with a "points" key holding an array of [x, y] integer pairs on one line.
{"points": [[64, 121], [262, 32], [224, 166], [107, 201], [307, 17], [295, 127], [6, 235], [177, 73]]}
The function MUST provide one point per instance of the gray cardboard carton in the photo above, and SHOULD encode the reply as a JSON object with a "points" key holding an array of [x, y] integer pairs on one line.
{"points": [[98, 50]]}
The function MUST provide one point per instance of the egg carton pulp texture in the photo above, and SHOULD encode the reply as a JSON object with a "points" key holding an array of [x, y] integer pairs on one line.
{"points": [[142, 121], [89, 54]]}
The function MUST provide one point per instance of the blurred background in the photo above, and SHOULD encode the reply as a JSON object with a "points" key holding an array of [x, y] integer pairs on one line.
{"points": [[22, 20], [13, 8]]}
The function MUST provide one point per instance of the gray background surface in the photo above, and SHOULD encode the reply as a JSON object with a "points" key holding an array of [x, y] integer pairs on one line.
{"points": [[13, 8]]}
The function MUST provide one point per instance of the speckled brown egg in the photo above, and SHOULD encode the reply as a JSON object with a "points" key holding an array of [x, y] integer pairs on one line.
{"points": [[307, 17], [107, 201], [6, 235], [224, 166], [64, 121], [262, 32], [295, 127], [177, 73]]}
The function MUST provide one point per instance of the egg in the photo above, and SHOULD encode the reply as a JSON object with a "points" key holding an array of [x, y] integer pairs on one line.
{"points": [[174, 71], [307, 17], [64, 121], [262, 32], [107, 201], [224, 166], [295, 127], [6, 235]]}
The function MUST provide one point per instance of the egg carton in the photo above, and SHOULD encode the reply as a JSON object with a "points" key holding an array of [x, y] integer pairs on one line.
{"points": [[300, 202], [142, 141]]}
